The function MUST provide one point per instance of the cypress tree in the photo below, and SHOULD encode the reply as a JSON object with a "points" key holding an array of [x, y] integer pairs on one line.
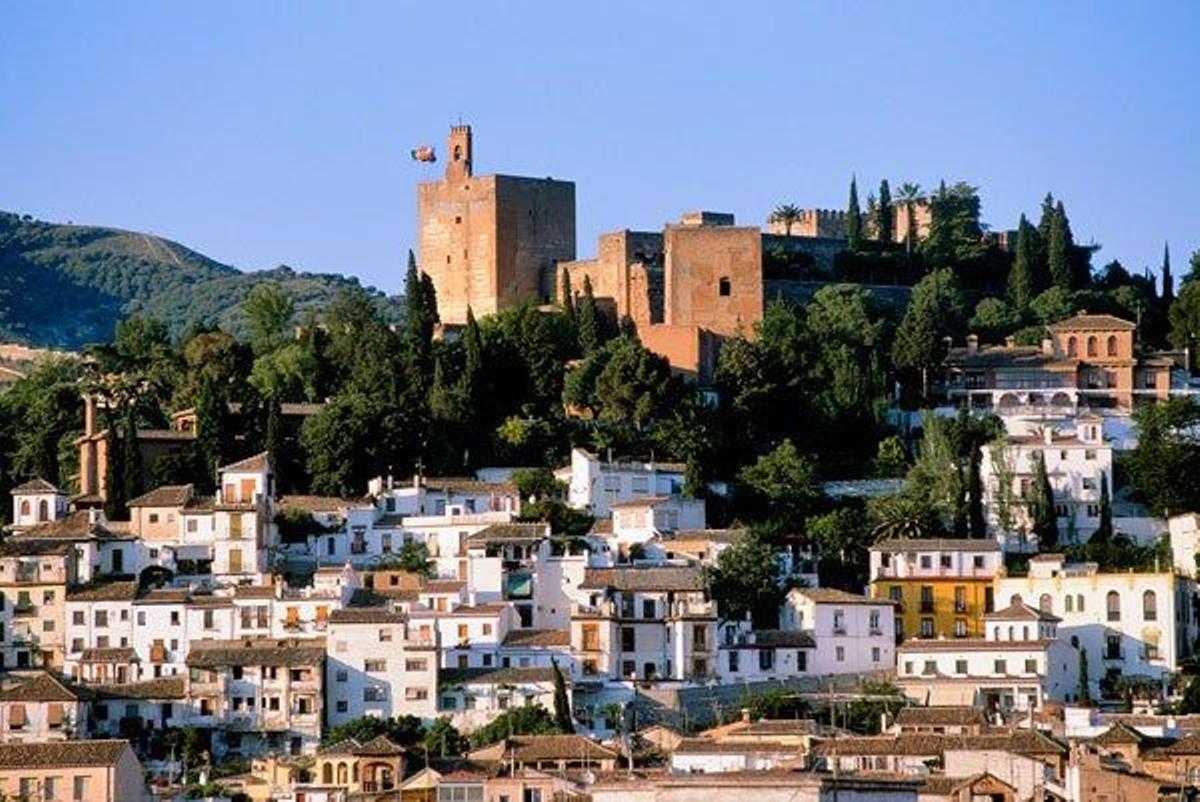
{"points": [[472, 376], [588, 321], [1045, 519], [114, 491], [1168, 281], [1105, 530], [131, 460], [273, 435], [1021, 284], [886, 213], [1085, 693], [853, 218], [1058, 249], [976, 522], [567, 301], [210, 432], [562, 704]]}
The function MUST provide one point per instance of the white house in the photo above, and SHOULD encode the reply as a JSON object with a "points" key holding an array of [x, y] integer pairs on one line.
{"points": [[1019, 664], [639, 520], [749, 655], [1184, 532], [36, 502], [377, 666], [1130, 623], [855, 633], [473, 697], [1077, 464], [595, 485]]}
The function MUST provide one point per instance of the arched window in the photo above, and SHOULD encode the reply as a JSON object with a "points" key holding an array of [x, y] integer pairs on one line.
{"points": [[25, 507], [1010, 633], [43, 510], [1079, 602], [1093, 348], [1112, 345], [327, 774], [1075, 641], [1113, 604], [457, 152], [1072, 346], [1149, 606], [1045, 604], [343, 775], [1070, 601]]}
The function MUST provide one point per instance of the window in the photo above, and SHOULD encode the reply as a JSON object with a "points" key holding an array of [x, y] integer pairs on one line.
{"points": [[1092, 347], [840, 654], [77, 618], [926, 627], [960, 627], [1149, 606], [1112, 345], [1031, 667], [960, 666], [875, 655], [896, 594], [80, 790], [1072, 346], [960, 599], [724, 287], [1112, 647], [839, 622], [734, 657], [342, 675], [766, 659], [926, 599], [154, 517], [342, 706], [926, 561], [1069, 601], [375, 666], [416, 664], [1113, 605], [647, 608], [628, 639], [1079, 602], [1045, 603], [873, 622], [416, 694], [978, 561], [930, 668], [946, 560], [374, 694], [700, 636], [385, 634], [102, 618], [1000, 667], [628, 668]]}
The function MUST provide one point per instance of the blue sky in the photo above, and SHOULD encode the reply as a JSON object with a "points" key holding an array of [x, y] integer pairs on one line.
{"points": [[266, 133]]}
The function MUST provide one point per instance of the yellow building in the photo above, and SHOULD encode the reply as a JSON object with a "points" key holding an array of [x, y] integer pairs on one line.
{"points": [[942, 587]]}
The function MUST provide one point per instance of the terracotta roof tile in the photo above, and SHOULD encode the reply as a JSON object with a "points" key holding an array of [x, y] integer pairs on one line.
{"points": [[937, 544], [257, 652], [149, 689], [1087, 322], [366, 615], [258, 462], [835, 596], [36, 485], [108, 590], [537, 637], [43, 687], [509, 533], [109, 654], [940, 716], [165, 496], [645, 579], [494, 676], [61, 754]]}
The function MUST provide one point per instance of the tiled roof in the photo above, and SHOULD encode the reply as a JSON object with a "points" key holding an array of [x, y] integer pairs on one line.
{"points": [[943, 716], [37, 485], [258, 462], [75, 526], [149, 689], [442, 586], [835, 596], [645, 579], [1021, 611], [780, 639], [109, 590], [537, 637], [366, 615], [937, 544], [1017, 357], [968, 644], [42, 687], [254, 592], [494, 676], [466, 484], [707, 746], [320, 503], [200, 504], [109, 654], [1119, 734], [1093, 323], [165, 596], [644, 501], [165, 496], [509, 533], [30, 547], [532, 748], [707, 536], [379, 746], [61, 754], [1187, 745], [290, 653], [779, 726], [1023, 742]]}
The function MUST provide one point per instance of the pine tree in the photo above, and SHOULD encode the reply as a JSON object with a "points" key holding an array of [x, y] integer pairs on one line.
{"points": [[562, 703], [853, 218], [886, 213], [1021, 285], [1168, 281], [1105, 530], [1045, 518], [1058, 249], [589, 321]]}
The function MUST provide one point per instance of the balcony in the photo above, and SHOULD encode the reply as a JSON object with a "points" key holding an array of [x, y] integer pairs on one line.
{"points": [[927, 605], [358, 547], [24, 610]]}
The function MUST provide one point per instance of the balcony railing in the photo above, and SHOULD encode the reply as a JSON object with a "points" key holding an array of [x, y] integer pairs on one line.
{"points": [[926, 605], [23, 610]]}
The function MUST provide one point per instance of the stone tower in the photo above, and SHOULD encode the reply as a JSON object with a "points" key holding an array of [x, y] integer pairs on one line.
{"points": [[491, 241]]}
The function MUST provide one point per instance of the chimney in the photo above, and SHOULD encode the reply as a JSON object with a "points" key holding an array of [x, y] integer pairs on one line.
{"points": [[1047, 346], [1048, 435], [972, 343]]}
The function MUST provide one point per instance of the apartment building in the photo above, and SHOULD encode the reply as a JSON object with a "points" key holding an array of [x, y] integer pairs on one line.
{"points": [[37, 707], [941, 587], [1131, 623], [34, 578], [595, 485], [856, 633], [1019, 664], [377, 665], [76, 771], [746, 654], [472, 697], [262, 695]]}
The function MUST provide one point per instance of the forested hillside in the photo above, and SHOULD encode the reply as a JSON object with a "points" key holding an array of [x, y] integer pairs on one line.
{"points": [[67, 285]]}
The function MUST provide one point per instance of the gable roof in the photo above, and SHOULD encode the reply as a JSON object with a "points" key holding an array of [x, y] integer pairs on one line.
{"points": [[494, 676], [75, 526], [645, 579], [164, 496], [835, 596], [509, 533], [1086, 322], [537, 637], [104, 590], [940, 716], [61, 754], [258, 462], [366, 615], [532, 748], [1119, 733], [43, 687], [290, 653], [152, 689], [35, 485], [1020, 611], [938, 544], [379, 746]]}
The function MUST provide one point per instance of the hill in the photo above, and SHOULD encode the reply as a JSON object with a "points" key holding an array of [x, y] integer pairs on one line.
{"points": [[65, 286]]}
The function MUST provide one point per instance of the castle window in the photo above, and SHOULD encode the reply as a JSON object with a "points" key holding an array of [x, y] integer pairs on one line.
{"points": [[1112, 345], [457, 152], [447, 258], [1093, 348], [43, 510], [458, 218], [1072, 346], [25, 507], [724, 287]]}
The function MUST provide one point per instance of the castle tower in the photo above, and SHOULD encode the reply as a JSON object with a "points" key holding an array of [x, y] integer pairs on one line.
{"points": [[458, 162]]}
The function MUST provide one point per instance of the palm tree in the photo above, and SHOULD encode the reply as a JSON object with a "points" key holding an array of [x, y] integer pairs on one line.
{"points": [[788, 214], [910, 195]]}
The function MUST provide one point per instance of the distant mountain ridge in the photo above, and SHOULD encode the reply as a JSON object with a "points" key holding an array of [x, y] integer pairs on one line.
{"points": [[65, 286]]}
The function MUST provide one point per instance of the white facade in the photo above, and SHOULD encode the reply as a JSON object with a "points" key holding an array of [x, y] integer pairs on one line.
{"points": [[1132, 624], [377, 666], [37, 502], [1077, 463], [1184, 532], [594, 485], [855, 633]]}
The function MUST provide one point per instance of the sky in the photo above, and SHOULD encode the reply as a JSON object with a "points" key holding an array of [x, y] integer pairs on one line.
{"points": [[269, 133]]}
